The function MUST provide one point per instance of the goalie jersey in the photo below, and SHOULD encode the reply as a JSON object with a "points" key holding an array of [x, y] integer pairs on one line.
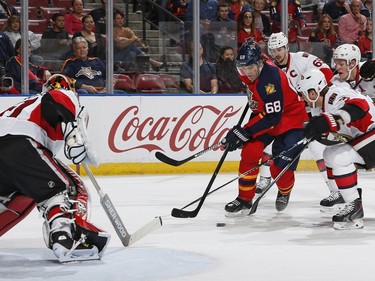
{"points": [[39, 117]]}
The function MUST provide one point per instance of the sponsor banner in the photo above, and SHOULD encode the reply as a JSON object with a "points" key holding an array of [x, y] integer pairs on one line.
{"points": [[130, 129]]}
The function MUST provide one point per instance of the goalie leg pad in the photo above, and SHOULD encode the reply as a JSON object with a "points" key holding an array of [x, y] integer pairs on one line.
{"points": [[13, 209]]}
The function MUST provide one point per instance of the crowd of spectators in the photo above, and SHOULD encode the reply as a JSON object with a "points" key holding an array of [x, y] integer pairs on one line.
{"points": [[224, 26]]}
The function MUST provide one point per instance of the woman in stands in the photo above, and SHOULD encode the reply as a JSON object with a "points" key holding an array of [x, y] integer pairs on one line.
{"points": [[95, 40], [73, 21], [365, 41], [247, 30], [325, 31], [262, 22]]}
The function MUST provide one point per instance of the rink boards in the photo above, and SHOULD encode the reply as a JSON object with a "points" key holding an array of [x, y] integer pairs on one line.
{"points": [[127, 130]]}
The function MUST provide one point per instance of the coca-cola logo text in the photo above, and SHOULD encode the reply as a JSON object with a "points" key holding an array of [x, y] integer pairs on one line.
{"points": [[182, 132]]}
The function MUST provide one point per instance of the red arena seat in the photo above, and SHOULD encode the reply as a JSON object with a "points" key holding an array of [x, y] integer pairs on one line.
{"points": [[149, 83], [38, 26], [48, 12]]}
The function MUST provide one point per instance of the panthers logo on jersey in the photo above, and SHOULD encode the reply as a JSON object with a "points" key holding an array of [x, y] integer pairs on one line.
{"points": [[88, 72], [270, 89]]}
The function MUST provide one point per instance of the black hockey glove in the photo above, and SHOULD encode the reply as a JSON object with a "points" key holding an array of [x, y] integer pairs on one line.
{"points": [[235, 138], [367, 70], [321, 124]]}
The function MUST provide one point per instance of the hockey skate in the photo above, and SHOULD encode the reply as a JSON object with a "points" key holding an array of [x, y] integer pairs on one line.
{"points": [[282, 201], [332, 203], [67, 232], [238, 207], [262, 184], [350, 217]]}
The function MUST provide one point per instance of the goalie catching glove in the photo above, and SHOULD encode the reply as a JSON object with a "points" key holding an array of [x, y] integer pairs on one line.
{"points": [[322, 124], [235, 138], [75, 149]]}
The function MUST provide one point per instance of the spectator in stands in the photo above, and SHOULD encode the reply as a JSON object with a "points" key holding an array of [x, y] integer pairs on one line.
{"points": [[325, 32], [296, 19], [56, 43], [127, 44], [208, 79], [237, 6], [224, 28], [247, 30], [352, 25], [262, 22], [7, 10], [89, 72], [366, 8], [6, 49], [99, 16], [211, 50], [226, 71], [365, 41], [336, 9], [324, 39], [177, 8], [38, 75], [13, 30], [95, 40], [73, 21], [208, 13]]}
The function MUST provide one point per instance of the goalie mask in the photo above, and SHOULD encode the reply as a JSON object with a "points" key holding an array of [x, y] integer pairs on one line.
{"points": [[311, 80], [59, 81]]}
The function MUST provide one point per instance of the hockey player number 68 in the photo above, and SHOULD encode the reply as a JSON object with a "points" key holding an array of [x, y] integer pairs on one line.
{"points": [[272, 107]]}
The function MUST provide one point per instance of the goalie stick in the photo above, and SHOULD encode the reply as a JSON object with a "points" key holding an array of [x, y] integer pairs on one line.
{"points": [[173, 162], [256, 203], [179, 213], [126, 238]]}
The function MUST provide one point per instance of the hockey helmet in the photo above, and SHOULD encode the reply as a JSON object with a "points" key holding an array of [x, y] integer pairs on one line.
{"points": [[59, 81], [311, 79], [347, 52], [249, 53], [277, 40]]}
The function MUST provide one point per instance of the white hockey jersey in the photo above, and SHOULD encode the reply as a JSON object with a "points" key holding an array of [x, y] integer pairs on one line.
{"points": [[300, 62], [337, 97], [361, 86], [25, 118]]}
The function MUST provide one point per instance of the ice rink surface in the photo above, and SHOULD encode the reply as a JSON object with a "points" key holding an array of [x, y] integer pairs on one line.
{"points": [[296, 244]]}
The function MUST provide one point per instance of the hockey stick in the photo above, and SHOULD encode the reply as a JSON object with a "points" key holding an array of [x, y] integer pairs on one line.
{"points": [[179, 213], [256, 203], [173, 162], [249, 171], [126, 238]]}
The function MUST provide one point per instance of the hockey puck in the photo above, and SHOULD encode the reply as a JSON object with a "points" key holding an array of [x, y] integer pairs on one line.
{"points": [[220, 224]]}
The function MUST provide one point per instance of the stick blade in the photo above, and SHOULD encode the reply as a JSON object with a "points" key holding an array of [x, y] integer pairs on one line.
{"points": [[167, 160], [178, 213], [146, 229]]}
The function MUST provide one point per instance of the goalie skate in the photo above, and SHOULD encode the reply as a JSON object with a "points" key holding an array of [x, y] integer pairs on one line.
{"points": [[262, 184], [68, 250], [350, 217]]}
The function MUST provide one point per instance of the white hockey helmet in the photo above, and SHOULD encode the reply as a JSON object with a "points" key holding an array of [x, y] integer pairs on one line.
{"points": [[311, 79], [277, 40], [59, 81], [347, 52]]}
